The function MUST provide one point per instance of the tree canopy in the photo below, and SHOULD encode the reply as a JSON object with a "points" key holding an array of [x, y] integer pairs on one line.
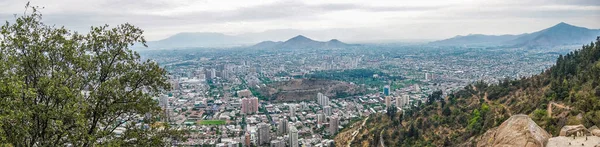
{"points": [[60, 87]]}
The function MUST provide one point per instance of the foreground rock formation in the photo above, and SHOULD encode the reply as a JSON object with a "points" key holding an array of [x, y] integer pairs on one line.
{"points": [[518, 131], [574, 130]]}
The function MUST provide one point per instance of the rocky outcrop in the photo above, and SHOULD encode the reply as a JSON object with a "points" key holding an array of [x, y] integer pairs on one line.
{"points": [[574, 130], [595, 131], [518, 131]]}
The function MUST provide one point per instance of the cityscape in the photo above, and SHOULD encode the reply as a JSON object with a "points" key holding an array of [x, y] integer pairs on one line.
{"points": [[217, 93], [300, 73]]}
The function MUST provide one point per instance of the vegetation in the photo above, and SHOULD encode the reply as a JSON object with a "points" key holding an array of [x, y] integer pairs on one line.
{"points": [[357, 76], [212, 122], [459, 118], [63, 88]]}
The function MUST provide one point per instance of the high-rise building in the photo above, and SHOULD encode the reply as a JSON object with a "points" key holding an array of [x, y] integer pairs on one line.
{"points": [[292, 110], [282, 126], [399, 101], [264, 136], [249, 105], [322, 100], [293, 137], [320, 119], [388, 101], [327, 110], [405, 100], [334, 121], [386, 90]]}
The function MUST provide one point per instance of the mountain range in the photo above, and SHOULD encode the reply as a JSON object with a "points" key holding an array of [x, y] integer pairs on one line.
{"points": [[301, 42], [557, 35]]}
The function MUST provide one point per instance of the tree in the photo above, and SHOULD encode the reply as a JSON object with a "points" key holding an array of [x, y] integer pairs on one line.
{"points": [[391, 112], [64, 88]]}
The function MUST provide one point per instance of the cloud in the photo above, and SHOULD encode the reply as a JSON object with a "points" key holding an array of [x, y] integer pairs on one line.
{"points": [[386, 19]]}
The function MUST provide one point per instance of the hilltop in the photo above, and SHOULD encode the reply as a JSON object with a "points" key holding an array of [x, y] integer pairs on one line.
{"points": [[301, 42]]}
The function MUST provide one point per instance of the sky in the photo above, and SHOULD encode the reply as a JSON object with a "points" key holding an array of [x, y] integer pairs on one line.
{"points": [[351, 20]]}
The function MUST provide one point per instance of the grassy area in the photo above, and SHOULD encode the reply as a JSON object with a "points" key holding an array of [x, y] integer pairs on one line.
{"points": [[212, 122]]}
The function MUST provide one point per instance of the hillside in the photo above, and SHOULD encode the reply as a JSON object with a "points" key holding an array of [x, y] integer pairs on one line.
{"points": [[307, 89], [565, 94], [301, 42], [557, 35]]}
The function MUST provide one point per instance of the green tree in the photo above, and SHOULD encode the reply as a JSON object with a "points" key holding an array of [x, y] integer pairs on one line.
{"points": [[64, 88]]}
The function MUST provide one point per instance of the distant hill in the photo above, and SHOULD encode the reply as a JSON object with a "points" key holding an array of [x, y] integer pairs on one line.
{"points": [[184, 40], [476, 39], [557, 35], [301, 42]]}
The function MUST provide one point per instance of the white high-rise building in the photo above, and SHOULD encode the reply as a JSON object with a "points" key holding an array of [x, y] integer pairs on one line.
{"points": [[327, 110], [320, 119], [292, 110], [282, 126], [293, 137], [322, 100]]}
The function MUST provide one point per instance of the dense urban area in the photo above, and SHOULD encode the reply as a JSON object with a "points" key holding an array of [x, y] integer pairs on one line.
{"points": [[262, 97]]}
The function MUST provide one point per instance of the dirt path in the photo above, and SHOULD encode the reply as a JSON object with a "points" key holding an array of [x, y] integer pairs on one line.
{"points": [[357, 131], [381, 138], [549, 109], [485, 98]]}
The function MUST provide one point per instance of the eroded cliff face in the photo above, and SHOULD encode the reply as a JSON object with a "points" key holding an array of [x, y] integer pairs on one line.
{"points": [[517, 131]]}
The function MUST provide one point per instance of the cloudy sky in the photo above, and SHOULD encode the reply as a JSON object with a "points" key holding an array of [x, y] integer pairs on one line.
{"points": [[359, 20]]}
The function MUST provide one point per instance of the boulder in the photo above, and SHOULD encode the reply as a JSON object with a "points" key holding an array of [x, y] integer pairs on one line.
{"points": [[595, 131], [519, 131], [576, 130]]}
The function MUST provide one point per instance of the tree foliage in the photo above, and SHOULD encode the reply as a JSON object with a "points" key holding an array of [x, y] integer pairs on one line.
{"points": [[65, 88]]}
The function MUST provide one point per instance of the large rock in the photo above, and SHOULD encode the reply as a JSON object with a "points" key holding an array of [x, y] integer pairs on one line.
{"points": [[576, 130], [595, 131], [517, 131]]}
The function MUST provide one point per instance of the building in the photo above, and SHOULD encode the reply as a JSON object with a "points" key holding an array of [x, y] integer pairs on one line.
{"points": [[247, 141], [264, 134], [320, 119], [386, 90], [277, 143], [322, 100], [292, 108], [282, 126], [405, 100], [244, 93], [334, 121], [327, 110], [249, 105], [388, 101], [293, 137], [399, 102]]}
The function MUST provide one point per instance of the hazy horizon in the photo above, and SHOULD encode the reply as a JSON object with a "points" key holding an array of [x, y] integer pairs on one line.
{"points": [[351, 21]]}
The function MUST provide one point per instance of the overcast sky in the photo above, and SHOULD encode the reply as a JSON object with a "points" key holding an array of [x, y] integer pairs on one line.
{"points": [[364, 19]]}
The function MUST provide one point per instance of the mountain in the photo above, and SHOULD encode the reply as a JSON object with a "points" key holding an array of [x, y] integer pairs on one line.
{"points": [[557, 35], [476, 39], [185, 40], [301, 42], [567, 93]]}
